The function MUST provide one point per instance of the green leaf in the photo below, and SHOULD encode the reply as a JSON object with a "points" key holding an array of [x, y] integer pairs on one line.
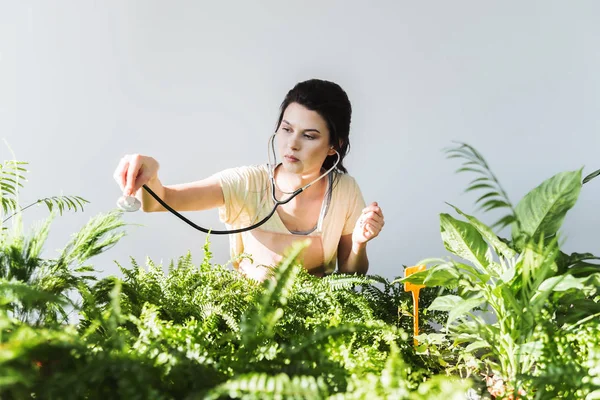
{"points": [[582, 269], [462, 239], [485, 196], [482, 179], [445, 275], [445, 303], [504, 221], [542, 210], [474, 272], [464, 307], [480, 344], [563, 283], [575, 261], [480, 186], [469, 169], [492, 204], [591, 176]]}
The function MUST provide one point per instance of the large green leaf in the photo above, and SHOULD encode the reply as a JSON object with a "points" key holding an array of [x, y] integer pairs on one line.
{"points": [[445, 303], [542, 210], [456, 305], [464, 307], [487, 233], [462, 239], [575, 261]]}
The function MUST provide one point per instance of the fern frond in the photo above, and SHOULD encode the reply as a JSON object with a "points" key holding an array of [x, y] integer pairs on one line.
{"points": [[258, 323], [263, 386], [337, 282], [98, 235], [26, 295], [209, 311]]}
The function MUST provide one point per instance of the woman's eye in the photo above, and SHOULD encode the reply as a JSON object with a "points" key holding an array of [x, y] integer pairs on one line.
{"points": [[309, 137], [285, 129]]}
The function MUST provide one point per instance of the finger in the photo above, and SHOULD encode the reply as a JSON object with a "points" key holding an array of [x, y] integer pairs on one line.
{"points": [[372, 215], [371, 231], [375, 227], [372, 208], [120, 173], [141, 179], [132, 173]]}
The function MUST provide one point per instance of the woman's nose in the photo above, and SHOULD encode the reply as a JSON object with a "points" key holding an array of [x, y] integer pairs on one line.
{"points": [[294, 142]]}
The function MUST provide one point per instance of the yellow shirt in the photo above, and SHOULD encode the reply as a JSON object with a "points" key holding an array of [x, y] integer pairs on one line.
{"points": [[247, 193]]}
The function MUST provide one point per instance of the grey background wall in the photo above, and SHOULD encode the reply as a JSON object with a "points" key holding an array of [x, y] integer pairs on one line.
{"points": [[197, 85]]}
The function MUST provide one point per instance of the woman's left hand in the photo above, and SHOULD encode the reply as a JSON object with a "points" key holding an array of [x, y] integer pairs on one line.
{"points": [[368, 225]]}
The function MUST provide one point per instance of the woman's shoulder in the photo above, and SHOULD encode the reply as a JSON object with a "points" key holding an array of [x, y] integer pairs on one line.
{"points": [[344, 182]]}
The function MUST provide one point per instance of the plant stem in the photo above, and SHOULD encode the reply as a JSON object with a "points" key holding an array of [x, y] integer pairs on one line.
{"points": [[21, 210]]}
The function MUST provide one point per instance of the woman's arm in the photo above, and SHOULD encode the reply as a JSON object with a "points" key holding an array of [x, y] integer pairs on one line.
{"points": [[352, 249], [352, 258], [136, 170], [194, 196]]}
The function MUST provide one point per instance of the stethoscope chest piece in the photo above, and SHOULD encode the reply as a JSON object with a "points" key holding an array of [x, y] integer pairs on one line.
{"points": [[129, 203]]}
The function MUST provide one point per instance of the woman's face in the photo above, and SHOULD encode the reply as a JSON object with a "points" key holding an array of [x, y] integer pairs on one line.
{"points": [[303, 140]]}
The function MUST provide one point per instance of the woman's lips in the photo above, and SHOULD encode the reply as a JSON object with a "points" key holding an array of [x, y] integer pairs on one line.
{"points": [[291, 159]]}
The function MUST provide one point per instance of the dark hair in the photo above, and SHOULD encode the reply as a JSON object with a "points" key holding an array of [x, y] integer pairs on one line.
{"points": [[332, 103]]}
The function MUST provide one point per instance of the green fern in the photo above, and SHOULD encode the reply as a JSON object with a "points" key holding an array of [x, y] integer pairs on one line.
{"points": [[20, 260], [494, 196], [257, 325], [263, 386], [336, 282]]}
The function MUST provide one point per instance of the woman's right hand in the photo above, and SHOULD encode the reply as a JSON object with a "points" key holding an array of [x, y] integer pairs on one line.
{"points": [[134, 171]]}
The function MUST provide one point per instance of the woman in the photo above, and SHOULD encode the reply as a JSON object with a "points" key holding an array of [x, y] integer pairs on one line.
{"points": [[312, 136]]}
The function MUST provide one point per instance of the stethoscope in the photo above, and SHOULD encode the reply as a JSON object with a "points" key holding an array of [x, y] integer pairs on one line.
{"points": [[131, 203]]}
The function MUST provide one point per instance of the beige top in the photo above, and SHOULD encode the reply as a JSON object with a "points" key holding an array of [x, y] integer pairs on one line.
{"points": [[247, 194]]}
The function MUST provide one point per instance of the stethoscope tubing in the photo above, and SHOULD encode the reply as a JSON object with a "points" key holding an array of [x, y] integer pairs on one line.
{"points": [[226, 231], [277, 202]]}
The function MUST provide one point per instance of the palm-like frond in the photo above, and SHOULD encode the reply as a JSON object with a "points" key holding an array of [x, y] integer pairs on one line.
{"points": [[494, 196], [60, 203], [11, 179]]}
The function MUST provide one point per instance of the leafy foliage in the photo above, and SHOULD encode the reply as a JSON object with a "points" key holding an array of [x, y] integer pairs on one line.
{"points": [[206, 331], [527, 284], [36, 290], [293, 335]]}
